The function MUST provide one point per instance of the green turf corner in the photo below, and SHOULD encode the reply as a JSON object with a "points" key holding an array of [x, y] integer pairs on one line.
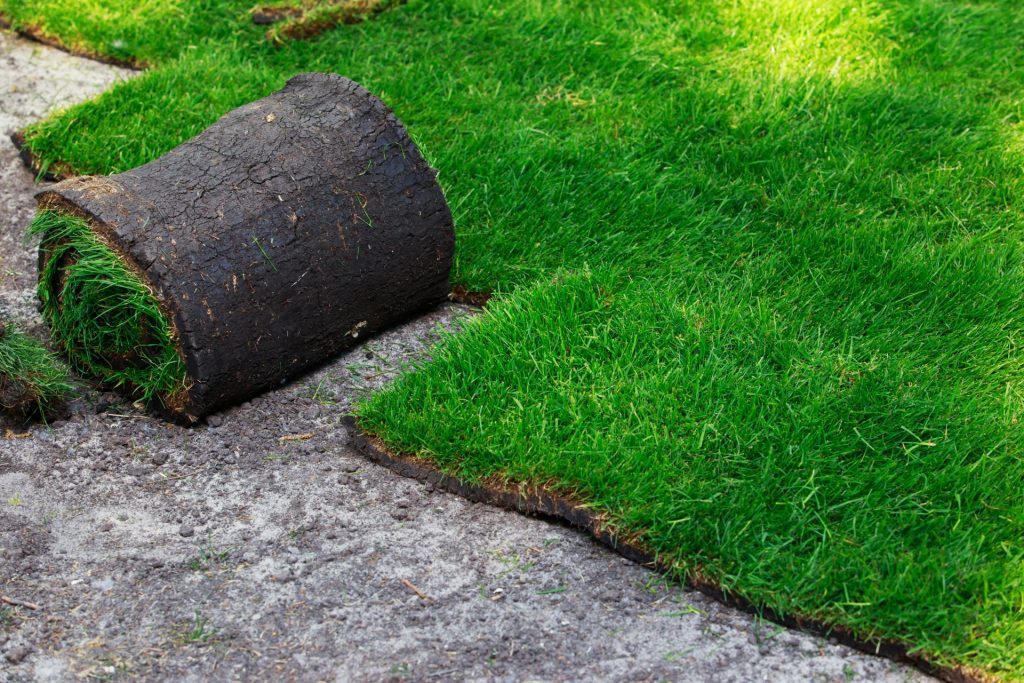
{"points": [[105, 318]]}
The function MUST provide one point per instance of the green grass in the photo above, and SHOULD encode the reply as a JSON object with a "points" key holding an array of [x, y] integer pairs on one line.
{"points": [[32, 380], [759, 273], [135, 31], [104, 317]]}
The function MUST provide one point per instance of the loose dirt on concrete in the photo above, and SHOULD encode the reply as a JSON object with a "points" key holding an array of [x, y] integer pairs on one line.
{"points": [[260, 546]]}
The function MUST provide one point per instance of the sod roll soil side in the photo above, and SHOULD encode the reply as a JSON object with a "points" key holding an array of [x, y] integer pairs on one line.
{"points": [[286, 232]]}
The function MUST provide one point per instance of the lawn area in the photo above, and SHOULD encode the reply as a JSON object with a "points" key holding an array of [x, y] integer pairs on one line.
{"points": [[758, 271]]}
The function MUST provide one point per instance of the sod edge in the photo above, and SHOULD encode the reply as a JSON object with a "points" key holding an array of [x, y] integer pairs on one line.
{"points": [[538, 501], [51, 172], [37, 34]]}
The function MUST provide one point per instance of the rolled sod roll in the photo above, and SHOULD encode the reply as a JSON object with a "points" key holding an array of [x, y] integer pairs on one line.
{"points": [[285, 233]]}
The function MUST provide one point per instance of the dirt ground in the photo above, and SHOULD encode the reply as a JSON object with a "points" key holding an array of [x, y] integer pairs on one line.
{"points": [[261, 547]]}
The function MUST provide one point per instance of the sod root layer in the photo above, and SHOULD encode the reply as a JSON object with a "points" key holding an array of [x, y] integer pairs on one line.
{"points": [[285, 233], [535, 501]]}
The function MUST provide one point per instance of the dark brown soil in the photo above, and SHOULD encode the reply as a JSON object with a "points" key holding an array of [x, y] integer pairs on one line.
{"points": [[264, 16], [461, 295]]}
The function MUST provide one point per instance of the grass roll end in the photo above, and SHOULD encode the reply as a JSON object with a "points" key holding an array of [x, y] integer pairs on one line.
{"points": [[105, 318]]}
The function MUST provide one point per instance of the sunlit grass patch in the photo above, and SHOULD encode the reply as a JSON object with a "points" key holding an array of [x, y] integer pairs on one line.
{"points": [[139, 32]]}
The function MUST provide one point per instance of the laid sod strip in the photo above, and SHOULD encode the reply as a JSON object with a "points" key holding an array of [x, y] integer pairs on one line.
{"points": [[255, 269], [798, 342], [105, 318], [133, 34], [541, 501], [877, 494], [32, 380]]}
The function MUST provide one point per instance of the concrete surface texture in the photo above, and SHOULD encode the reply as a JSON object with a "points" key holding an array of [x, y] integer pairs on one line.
{"points": [[260, 547]]}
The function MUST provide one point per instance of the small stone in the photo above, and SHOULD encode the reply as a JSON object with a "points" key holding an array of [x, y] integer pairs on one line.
{"points": [[159, 458], [16, 654], [400, 514], [215, 421], [284, 576], [186, 530], [106, 526], [369, 355], [350, 467]]}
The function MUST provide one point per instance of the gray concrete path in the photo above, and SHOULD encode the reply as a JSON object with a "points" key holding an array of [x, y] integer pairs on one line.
{"points": [[231, 552]]}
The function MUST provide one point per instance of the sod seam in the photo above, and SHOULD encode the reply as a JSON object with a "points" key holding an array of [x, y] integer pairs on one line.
{"points": [[307, 19]]}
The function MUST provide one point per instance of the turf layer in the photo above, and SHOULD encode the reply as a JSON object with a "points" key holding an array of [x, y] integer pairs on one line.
{"points": [[104, 317], [758, 265], [32, 380]]}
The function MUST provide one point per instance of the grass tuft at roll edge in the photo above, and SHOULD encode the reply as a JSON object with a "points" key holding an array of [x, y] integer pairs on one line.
{"points": [[33, 382], [105, 318]]}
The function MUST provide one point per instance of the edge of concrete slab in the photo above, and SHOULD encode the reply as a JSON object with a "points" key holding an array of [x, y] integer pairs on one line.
{"points": [[540, 503]]}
